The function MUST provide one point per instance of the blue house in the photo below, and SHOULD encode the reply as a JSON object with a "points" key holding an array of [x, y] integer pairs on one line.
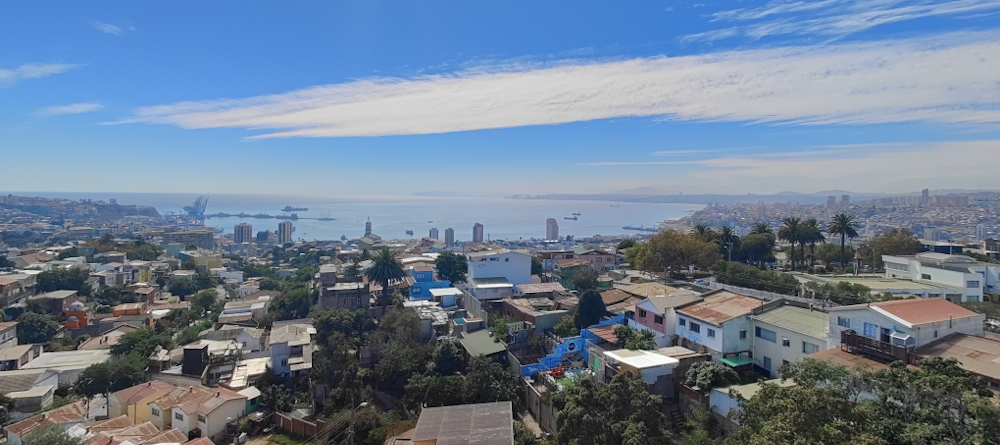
{"points": [[424, 279]]}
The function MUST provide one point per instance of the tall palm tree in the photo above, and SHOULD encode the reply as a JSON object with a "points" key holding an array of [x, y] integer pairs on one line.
{"points": [[791, 230], [847, 227], [728, 240], [704, 232], [384, 269], [761, 229], [813, 236]]}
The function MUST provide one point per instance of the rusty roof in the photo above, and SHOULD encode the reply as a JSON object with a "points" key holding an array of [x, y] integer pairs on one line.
{"points": [[978, 355], [74, 412], [718, 308], [540, 288], [613, 296], [142, 391], [917, 311], [172, 435], [847, 360], [114, 424], [607, 333]]}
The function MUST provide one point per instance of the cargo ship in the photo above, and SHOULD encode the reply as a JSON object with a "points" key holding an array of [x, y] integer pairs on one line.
{"points": [[294, 209]]}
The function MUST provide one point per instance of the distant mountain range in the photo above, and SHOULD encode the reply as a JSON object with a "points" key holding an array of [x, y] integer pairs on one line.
{"points": [[650, 194]]}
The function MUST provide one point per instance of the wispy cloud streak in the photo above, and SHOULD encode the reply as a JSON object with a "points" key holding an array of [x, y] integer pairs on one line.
{"points": [[832, 17], [32, 71], [952, 78], [76, 108], [107, 28]]}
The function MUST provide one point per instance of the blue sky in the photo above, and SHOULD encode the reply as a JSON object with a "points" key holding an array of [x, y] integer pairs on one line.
{"points": [[496, 98]]}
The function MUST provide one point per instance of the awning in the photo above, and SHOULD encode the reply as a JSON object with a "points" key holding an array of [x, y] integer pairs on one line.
{"points": [[739, 360]]}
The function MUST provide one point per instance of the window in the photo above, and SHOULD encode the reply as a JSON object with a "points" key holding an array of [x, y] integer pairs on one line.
{"points": [[711, 332], [506, 260], [154, 411], [681, 321], [925, 276], [284, 362], [658, 319], [972, 284], [809, 348], [897, 266], [202, 419], [695, 327], [767, 363], [642, 313], [178, 416], [844, 322], [785, 342], [784, 362], [743, 335], [935, 333], [871, 330], [765, 334]]}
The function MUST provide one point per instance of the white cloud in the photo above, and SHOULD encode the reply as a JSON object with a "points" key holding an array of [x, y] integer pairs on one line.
{"points": [[953, 78], [833, 17], [881, 167], [32, 71], [77, 108], [107, 28]]}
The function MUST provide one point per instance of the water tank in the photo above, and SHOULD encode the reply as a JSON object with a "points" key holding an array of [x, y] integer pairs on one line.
{"points": [[72, 318], [76, 306]]}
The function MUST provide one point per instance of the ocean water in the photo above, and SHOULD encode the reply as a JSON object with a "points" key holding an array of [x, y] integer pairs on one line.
{"points": [[502, 218]]}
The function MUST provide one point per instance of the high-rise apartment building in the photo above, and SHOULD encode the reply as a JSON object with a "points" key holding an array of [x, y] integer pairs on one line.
{"points": [[477, 233], [285, 232], [368, 226], [845, 200], [434, 233], [925, 197], [831, 201], [449, 237], [551, 229], [981, 233], [242, 233]]}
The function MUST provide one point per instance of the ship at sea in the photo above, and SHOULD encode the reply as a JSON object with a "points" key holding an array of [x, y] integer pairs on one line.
{"points": [[293, 216], [262, 215], [574, 218], [326, 217], [409, 232], [294, 209], [641, 228], [576, 214]]}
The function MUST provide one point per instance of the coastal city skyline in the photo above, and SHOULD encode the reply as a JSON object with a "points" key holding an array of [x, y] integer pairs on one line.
{"points": [[725, 97]]}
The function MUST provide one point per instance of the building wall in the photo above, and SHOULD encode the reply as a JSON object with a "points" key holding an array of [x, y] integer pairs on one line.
{"points": [[215, 427], [514, 266], [727, 339], [922, 334], [776, 351]]}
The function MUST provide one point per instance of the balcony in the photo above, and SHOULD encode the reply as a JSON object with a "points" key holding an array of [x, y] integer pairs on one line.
{"points": [[872, 348]]}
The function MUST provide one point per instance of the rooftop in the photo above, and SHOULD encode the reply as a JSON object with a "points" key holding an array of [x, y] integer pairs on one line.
{"points": [[479, 424], [489, 283], [481, 343], [720, 307], [977, 355], [69, 359], [142, 391], [55, 295], [293, 334], [641, 359], [804, 321], [541, 288], [917, 311], [749, 390], [847, 360]]}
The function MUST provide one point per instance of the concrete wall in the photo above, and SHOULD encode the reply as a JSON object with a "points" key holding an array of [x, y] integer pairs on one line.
{"points": [[514, 266], [776, 351], [727, 338], [215, 428], [922, 334]]}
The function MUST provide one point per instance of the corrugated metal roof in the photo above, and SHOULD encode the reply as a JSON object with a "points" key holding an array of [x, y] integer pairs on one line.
{"points": [[479, 424], [721, 307], [801, 320], [978, 355]]}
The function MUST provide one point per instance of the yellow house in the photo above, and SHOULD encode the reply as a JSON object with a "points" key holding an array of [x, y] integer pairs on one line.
{"points": [[134, 402]]}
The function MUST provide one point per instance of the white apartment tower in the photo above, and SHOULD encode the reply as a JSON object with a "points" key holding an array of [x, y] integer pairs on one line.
{"points": [[551, 229], [285, 232]]}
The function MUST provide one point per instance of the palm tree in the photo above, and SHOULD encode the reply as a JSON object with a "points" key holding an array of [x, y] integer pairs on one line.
{"points": [[791, 230], [727, 239], [761, 229], [847, 227], [704, 232], [813, 236], [384, 269]]}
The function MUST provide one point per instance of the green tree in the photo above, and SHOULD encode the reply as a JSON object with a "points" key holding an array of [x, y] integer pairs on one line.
{"points": [[341, 328], [590, 310], [708, 375], [673, 250], [585, 278], [182, 287], [793, 231], [51, 435], [524, 435], [35, 328], [703, 232], [846, 226], [204, 300], [451, 266], [893, 242], [142, 341], [5, 263], [73, 278], [385, 269], [761, 228], [71, 252], [270, 284], [292, 304], [109, 296], [401, 354], [622, 412], [727, 240], [757, 247], [112, 376], [447, 358], [536, 266], [625, 244], [813, 234], [634, 339], [832, 253], [497, 323], [566, 327], [489, 381]]}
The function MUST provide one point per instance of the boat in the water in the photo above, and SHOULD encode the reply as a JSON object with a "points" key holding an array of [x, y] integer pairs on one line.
{"points": [[570, 218], [294, 209], [576, 214], [641, 228], [409, 232], [326, 217], [262, 215], [343, 237]]}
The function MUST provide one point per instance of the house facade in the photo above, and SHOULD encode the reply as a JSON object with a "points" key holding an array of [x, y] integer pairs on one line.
{"points": [[424, 280], [658, 314], [514, 265], [905, 324], [967, 279], [720, 324], [786, 334]]}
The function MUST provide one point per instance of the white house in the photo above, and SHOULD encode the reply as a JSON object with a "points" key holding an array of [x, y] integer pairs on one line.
{"points": [[908, 323], [514, 265], [291, 348], [720, 323], [966, 278], [198, 407], [787, 334], [725, 402]]}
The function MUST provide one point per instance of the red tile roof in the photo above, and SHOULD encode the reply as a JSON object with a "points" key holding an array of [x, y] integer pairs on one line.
{"points": [[74, 412], [924, 310], [140, 392], [721, 307]]}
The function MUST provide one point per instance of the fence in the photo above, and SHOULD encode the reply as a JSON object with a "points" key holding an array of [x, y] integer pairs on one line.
{"points": [[768, 295], [298, 427]]}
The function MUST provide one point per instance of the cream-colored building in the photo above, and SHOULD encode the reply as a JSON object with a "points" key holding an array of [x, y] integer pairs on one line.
{"points": [[134, 402]]}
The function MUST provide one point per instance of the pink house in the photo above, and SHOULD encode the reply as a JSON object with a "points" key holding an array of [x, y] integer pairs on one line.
{"points": [[657, 313]]}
